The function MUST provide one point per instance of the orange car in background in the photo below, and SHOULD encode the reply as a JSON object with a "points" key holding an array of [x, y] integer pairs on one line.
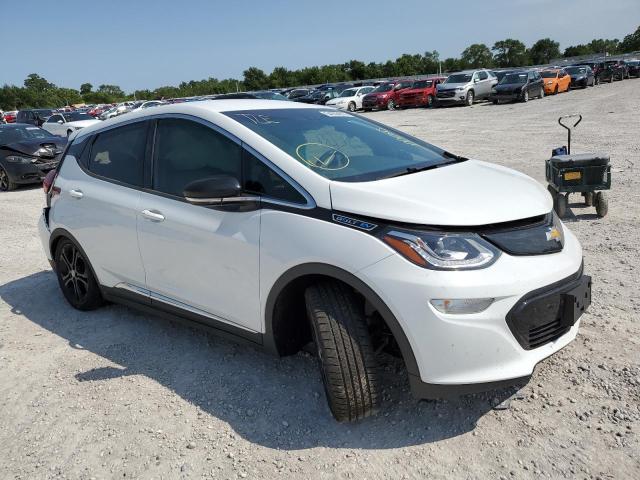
{"points": [[555, 81]]}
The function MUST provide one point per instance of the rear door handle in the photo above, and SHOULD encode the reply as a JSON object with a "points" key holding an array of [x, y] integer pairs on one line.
{"points": [[153, 215], [76, 193]]}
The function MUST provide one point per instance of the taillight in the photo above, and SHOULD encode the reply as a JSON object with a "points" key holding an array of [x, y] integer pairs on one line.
{"points": [[47, 183]]}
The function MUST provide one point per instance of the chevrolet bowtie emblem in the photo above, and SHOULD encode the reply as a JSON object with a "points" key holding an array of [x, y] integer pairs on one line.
{"points": [[553, 234]]}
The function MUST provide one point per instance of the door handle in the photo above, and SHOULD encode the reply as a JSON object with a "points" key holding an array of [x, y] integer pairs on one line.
{"points": [[154, 216], [76, 193]]}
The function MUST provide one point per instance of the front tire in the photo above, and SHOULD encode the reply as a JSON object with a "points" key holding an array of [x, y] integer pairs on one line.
{"points": [[347, 360], [351, 107], [525, 96], [391, 105], [6, 183], [75, 277], [470, 98]]}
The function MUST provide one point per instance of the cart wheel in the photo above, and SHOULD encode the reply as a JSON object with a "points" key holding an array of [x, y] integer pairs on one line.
{"points": [[602, 204], [588, 198], [561, 204]]}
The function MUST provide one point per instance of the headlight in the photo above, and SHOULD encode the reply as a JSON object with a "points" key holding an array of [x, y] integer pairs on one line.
{"points": [[550, 82], [442, 251], [459, 89], [19, 159]]}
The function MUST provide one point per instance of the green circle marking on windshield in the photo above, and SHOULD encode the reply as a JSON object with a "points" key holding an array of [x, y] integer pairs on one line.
{"points": [[319, 155]]}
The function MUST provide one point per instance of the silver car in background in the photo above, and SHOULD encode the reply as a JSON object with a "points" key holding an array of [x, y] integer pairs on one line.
{"points": [[466, 87]]}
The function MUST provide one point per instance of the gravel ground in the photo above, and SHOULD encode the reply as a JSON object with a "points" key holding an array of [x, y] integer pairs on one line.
{"points": [[118, 394]]}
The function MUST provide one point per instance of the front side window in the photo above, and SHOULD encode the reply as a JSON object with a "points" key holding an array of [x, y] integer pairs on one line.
{"points": [[340, 146], [187, 151], [118, 154], [483, 75], [54, 118], [261, 180]]}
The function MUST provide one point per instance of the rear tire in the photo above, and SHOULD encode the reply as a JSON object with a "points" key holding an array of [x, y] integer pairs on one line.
{"points": [[347, 360], [541, 92], [75, 277], [429, 101], [525, 96], [6, 184], [602, 204]]}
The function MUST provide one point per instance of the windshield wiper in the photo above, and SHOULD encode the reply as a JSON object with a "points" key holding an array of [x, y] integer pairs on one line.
{"points": [[409, 170]]}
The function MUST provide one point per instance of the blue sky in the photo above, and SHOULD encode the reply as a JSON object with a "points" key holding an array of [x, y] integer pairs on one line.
{"points": [[150, 43]]}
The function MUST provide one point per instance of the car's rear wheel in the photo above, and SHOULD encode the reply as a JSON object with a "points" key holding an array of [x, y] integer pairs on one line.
{"points": [[541, 92], [75, 277], [351, 107], [470, 98], [346, 355], [6, 183]]}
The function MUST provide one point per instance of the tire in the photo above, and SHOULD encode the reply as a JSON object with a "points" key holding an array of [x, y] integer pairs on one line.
{"points": [[75, 277], [602, 204], [541, 93], [351, 107], [430, 101], [347, 360], [391, 105], [525, 96], [6, 184], [555, 90], [495, 102], [611, 79], [561, 205], [596, 81], [470, 98], [588, 198]]}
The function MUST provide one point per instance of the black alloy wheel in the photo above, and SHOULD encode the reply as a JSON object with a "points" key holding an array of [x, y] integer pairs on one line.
{"points": [[76, 277], [6, 183]]}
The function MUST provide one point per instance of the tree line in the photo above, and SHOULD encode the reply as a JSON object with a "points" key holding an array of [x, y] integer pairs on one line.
{"points": [[37, 92]]}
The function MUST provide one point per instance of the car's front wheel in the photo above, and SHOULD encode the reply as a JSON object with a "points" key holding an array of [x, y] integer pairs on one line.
{"points": [[345, 352], [75, 277], [391, 105], [6, 183], [470, 98], [351, 107], [525, 96]]}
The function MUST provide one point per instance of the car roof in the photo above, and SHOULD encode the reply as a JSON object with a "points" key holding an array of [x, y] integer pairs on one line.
{"points": [[9, 126]]}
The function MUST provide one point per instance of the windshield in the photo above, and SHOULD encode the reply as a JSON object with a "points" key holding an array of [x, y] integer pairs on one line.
{"points": [[349, 92], [575, 70], [548, 74], [76, 116], [20, 134], [422, 84], [340, 146], [511, 78], [384, 88], [459, 78]]}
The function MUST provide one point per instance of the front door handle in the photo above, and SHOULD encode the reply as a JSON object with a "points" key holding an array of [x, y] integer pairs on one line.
{"points": [[153, 215], [76, 193]]}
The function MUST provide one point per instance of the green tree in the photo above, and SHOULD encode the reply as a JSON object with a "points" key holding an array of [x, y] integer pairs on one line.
{"points": [[476, 56], [543, 51], [85, 88], [631, 42], [510, 53], [602, 45], [37, 83], [451, 65], [577, 50], [255, 79]]}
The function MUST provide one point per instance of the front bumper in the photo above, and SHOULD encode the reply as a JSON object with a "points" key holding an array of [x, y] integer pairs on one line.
{"points": [[505, 97], [29, 172], [459, 96], [471, 352], [375, 103]]}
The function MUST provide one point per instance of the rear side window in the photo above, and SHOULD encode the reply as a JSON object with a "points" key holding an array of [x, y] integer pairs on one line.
{"points": [[118, 154], [188, 151], [262, 180]]}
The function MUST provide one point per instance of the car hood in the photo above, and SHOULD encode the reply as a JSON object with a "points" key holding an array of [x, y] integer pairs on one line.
{"points": [[378, 94], [416, 90], [509, 86], [470, 193], [451, 86], [82, 123], [30, 147]]}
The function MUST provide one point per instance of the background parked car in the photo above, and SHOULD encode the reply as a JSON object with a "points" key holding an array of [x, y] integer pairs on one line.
{"points": [[634, 68], [385, 95], [10, 116], [350, 99], [555, 81], [27, 154], [465, 87], [619, 69], [64, 124], [113, 112], [298, 92], [518, 86], [421, 94], [581, 76], [318, 97], [34, 117]]}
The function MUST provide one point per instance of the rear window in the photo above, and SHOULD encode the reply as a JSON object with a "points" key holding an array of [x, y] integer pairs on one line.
{"points": [[341, 146], [118, 154]]}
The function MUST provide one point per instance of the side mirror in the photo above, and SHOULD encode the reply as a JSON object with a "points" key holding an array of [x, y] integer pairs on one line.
{"points": [[60, 122], [213, 190], [476, 80]]}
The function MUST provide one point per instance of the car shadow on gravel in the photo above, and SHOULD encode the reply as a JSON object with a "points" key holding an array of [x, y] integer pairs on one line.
{"points": [[275, 402]]}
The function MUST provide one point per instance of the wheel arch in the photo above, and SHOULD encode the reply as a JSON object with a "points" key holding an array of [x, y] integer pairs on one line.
{"points": [[289, 288], [59, 234]]}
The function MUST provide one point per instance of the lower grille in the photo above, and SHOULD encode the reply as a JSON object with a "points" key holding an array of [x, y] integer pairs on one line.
{"points": [[446, 94], [548, 332]]}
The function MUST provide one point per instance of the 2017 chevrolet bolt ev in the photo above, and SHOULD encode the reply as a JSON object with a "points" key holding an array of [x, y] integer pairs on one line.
{"points": [[284, 224]]}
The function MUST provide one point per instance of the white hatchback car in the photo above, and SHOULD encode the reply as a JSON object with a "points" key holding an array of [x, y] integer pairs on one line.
{"points": [[64, 124], [350, 99], [283, 224]]}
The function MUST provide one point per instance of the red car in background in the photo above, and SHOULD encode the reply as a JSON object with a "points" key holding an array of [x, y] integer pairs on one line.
{"points": [[10, 117], [95, 112], [385, 95], [421, 94]]}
